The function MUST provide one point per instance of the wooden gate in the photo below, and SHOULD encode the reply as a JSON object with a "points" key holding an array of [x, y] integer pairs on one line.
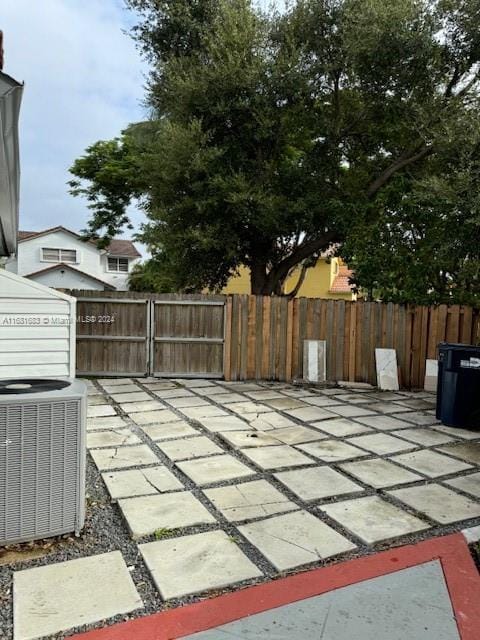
{"points": [[113, 336], [187, 337]]}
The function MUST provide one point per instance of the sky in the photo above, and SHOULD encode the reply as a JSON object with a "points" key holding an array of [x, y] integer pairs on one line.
{"points": [[84, 81]]}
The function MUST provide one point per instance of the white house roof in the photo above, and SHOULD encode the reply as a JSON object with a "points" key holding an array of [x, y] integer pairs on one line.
{"points": [[10, 99]]}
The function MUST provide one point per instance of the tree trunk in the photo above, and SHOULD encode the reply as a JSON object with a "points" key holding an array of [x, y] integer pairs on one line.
{"points": [[258, 276]]}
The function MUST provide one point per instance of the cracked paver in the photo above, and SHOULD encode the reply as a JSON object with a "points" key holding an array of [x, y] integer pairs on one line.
{"points": [[140, 482], [118, 458], [295, 539], [249, 500], [113, 438]]}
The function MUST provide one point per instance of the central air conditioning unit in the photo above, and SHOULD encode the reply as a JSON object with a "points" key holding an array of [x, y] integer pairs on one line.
{"points": [[42, 458]]}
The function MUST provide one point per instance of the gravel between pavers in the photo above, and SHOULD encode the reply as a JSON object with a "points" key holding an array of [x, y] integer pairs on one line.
{"points": [[106, 530]]}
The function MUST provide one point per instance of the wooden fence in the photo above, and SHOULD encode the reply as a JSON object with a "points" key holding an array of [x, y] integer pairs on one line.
{"points": [[263, 336]]}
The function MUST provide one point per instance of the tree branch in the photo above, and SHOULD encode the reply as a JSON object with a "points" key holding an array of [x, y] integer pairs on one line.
{"points": [[301, 279], [403, 161], [303, 251]]}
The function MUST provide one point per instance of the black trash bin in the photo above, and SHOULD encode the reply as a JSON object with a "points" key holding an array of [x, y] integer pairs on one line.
{"points": [[458, 390]]}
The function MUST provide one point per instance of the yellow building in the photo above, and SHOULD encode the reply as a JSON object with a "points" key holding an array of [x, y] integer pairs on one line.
{"points": [[327, 279]]}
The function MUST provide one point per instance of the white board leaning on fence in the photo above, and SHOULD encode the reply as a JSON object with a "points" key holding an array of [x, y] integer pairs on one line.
{"points": [[314, 360], [387, 369], [431, 375], [37, 329]]}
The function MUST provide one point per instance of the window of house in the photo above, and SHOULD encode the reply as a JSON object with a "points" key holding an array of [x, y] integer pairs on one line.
{"points": [[59, 255], [118, 265]]}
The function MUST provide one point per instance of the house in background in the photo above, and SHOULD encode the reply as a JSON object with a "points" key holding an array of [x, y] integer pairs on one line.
{"points": [[61, 259], [329, 278]]}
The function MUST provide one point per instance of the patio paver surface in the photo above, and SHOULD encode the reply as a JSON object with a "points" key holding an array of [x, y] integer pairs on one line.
{"points": [[277, 479]]}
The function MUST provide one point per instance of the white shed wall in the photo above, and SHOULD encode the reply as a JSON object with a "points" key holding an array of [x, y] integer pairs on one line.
{"points": [[37, 329]]}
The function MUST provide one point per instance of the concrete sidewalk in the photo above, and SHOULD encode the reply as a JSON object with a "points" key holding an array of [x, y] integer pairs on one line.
{"points": [[427, 591]]}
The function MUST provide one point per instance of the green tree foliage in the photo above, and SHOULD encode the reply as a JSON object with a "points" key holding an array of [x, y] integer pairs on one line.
{"points": [[273, 136]]}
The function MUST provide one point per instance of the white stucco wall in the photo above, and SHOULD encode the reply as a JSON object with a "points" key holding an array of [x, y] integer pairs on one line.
{"points": [[67, 279], [89, 259]]}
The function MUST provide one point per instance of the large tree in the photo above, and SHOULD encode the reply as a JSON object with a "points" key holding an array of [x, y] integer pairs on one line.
{"points": [[273, 137]]}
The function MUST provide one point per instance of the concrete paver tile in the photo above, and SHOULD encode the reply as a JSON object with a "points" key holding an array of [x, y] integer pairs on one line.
{"points": [[430, 463], [121, 457], [373, 519], [425, 437], [332, 450], [469, 451], [381, 443], [249, 500], [117, 438], [439, 503], [196, 563], [190, 448], [57, 597], [317, 483], [162, 416], [469, 484], [140, 482], [158, 432], [277, 457], [379, 473], [146, 514], [295, 539], [341, 427], [205, 471]]}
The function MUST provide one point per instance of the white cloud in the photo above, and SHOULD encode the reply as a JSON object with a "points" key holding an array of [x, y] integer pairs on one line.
{"points": [[83, 82]]}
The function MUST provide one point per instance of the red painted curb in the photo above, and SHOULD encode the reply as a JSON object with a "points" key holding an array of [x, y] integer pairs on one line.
{"points": [[461, 576]]}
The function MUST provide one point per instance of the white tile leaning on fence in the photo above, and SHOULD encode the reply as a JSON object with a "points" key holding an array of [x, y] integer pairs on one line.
{"points": [[431, 375], [387, 371], [314, 360]]}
